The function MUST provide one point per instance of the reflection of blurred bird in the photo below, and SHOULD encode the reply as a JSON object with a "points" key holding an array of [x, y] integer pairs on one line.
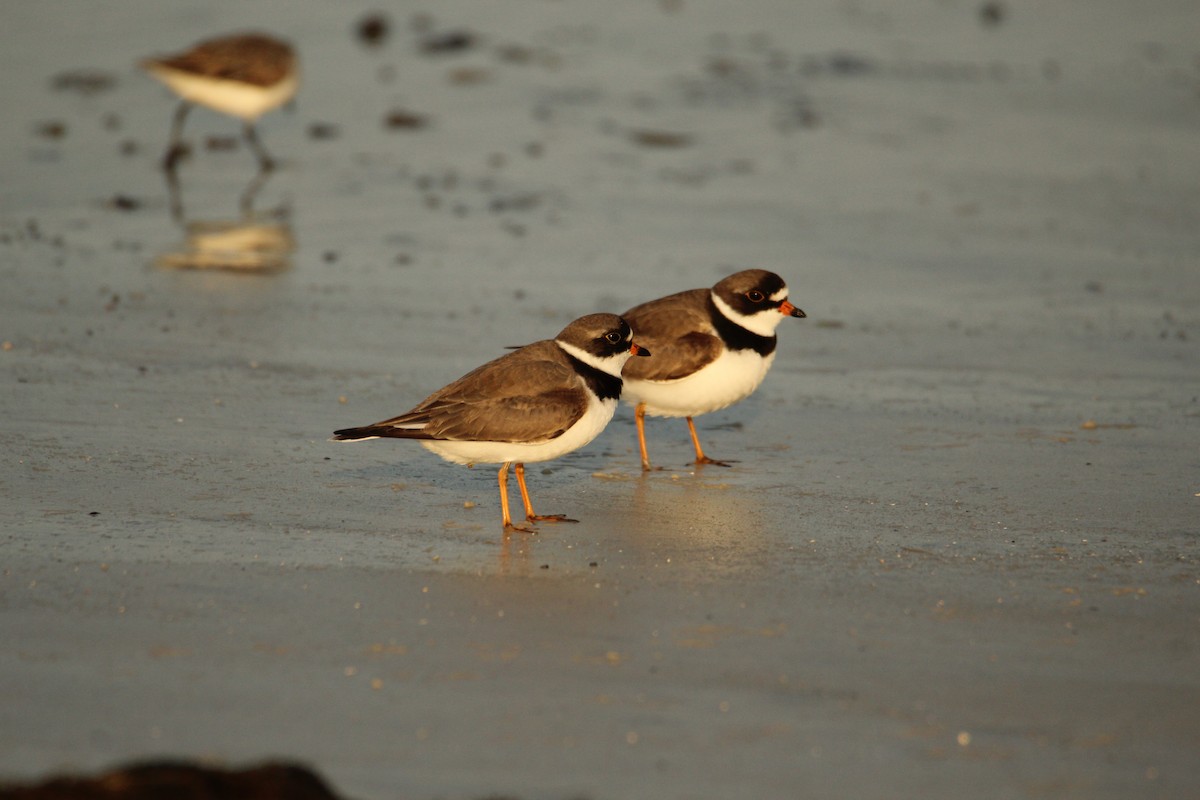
{"points": [[244, 76], [534, 404], [712, 348], [246, 245]]}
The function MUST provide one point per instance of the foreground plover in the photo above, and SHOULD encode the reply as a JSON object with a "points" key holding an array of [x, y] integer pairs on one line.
{"points": [[244, 76], [536, 403], [712, 348]]}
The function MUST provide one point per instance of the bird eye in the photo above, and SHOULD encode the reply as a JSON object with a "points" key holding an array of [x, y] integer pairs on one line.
{"points": [[612, 337], [755, 296]]}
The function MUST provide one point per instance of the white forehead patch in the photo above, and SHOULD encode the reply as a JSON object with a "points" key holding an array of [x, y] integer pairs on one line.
{"points": [[779, 296]]}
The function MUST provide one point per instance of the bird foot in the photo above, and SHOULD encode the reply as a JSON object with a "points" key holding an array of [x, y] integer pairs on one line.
{"points": [[550, 518], [702, 460]]}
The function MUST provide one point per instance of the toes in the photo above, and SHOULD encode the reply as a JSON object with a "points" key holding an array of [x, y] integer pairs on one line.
{"points": [[714, 462]]}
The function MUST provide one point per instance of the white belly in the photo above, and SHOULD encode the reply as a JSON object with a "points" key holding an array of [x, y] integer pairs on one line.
{"points": [[244, 100], [587, 428], [732, 377]]}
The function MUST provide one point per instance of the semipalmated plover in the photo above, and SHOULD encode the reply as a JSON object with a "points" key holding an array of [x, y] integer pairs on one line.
{"points": [[244, 76], [712, 348], [536, 403]]}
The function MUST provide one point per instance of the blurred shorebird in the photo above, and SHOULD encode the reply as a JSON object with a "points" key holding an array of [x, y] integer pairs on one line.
{"points": [[244, 76]]}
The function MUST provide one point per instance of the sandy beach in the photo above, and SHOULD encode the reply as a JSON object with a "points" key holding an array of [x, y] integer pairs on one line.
{"points": [[957, 555]]}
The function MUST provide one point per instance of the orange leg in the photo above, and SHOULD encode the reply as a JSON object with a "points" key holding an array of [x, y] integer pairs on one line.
{"points": [[529, 515], [503, 477], [700, 457], [639, 418]]}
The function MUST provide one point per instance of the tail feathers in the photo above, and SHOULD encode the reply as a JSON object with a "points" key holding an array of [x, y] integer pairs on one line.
{"points": [[377, 432]]}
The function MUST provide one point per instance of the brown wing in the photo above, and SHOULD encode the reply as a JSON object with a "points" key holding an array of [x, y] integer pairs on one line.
{"points": [[529, 395], [253, 59], [678, 333]]}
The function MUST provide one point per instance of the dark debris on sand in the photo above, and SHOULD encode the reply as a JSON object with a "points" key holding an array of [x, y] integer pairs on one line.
{"points": [[180, 780]]}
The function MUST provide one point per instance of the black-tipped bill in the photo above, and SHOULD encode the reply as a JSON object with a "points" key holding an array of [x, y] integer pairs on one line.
{"points": [[789, 310]]}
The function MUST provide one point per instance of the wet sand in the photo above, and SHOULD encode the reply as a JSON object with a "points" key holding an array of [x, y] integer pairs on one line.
{"points": [[957, 555]]}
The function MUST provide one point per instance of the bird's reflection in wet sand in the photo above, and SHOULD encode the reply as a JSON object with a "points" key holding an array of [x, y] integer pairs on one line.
{"points": [[712, 525], [689, 520], [256, 241], [516, 553]]}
